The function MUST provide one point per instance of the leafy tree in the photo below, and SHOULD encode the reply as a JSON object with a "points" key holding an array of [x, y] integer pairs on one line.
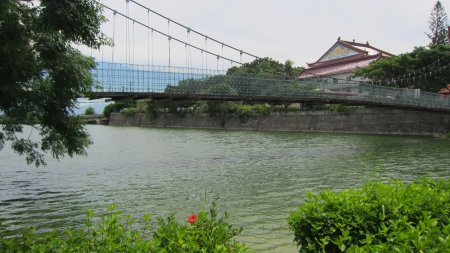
{"points": [[266, 65], [438, 24], [423, 68], [89, 111], [288, 67], [222, 89], [41, 74]]}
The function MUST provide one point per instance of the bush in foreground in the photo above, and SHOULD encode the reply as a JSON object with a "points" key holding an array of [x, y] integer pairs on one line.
{"points": [[377, 218], [204, 232]]}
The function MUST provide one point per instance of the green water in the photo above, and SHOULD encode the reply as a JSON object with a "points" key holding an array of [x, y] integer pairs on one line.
{"points": [[257, 177]]}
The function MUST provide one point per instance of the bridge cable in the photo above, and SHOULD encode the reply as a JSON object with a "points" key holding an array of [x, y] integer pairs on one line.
{"points": [[190, 51], [218, 62], [128, 45], [114, 32], [186, 48], [148, 39], [169, 39], [133, 71], [102, 50], [148, 50], [102, 46], [203, 35], [126, 35], [162, 33], [207, 52], [152, 47]]}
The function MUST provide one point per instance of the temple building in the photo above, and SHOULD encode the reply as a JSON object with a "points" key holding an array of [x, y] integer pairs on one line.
{"points": [[342, 59]]}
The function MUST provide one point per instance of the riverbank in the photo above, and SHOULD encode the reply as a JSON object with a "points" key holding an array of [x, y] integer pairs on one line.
{"points": [[363, 121]]}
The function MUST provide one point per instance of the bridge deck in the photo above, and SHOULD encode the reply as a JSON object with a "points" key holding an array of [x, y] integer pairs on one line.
{"points": [[116, 96], [118, 82]]}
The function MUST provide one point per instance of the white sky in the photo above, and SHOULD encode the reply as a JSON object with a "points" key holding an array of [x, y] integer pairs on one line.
{"points": [[301, 30]]}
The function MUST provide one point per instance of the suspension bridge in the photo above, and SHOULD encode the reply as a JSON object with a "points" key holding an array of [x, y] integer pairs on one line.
{"points": [[128, 80]]}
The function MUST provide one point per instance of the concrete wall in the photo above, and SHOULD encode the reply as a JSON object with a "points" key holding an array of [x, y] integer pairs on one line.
{"points": [[368, 121]]}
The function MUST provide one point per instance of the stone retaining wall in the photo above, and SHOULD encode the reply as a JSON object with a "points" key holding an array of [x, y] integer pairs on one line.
{"points": [[367, 121]]}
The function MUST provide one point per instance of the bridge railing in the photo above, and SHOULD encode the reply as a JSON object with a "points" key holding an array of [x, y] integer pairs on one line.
{"points": [[160, 79]]}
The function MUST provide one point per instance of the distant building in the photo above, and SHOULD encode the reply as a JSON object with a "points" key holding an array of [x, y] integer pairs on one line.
{"points": [[342, 59]]}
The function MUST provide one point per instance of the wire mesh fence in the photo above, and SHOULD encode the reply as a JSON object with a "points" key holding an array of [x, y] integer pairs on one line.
{"points": [[175, 80]]}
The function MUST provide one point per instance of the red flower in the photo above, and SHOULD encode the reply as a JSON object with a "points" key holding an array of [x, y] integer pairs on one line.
{"points": [[192, 218]]}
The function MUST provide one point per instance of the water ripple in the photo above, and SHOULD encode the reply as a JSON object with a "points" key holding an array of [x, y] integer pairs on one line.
{"points": [[257, 177]]}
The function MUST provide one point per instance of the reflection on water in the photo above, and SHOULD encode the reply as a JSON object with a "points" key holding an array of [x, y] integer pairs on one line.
{"points": [[258, 177]]}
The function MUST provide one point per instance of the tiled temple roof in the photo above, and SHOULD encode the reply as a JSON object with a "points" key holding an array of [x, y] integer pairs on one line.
{"points": [[343, 57]]}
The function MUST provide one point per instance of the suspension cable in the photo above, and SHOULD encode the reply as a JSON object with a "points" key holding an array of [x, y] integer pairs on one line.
{"points": [[148, 39], [169, 39], [186, 48], [191, 29], [114, 32], [152, 47], [162, 33], [126, 35], [103, 51], [113, 38], [190, 52]]}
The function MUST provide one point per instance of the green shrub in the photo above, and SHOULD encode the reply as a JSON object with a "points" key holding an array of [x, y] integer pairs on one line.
{"points": [[142, 105], [118, 107], [206, 234], [445, 136], [129, 111], [262, 109], [113, 233], [244, 111], [89, 111], [377, 218]]}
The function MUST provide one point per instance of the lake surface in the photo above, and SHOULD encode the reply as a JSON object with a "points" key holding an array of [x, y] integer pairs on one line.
{"points": [[257, 177]]}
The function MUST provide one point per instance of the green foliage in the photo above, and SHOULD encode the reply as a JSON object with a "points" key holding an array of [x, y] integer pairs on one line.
{"points": [[41, 74], [129, 111], [180, 108], [89, 111], [445, 136], [222, 89], [244, 111], [142, 105], [266, 65], [207, 234], [411, 65], [379, 217], [220, 110], [114, 234], [341, 108], [118, 107], [438, 24]]}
